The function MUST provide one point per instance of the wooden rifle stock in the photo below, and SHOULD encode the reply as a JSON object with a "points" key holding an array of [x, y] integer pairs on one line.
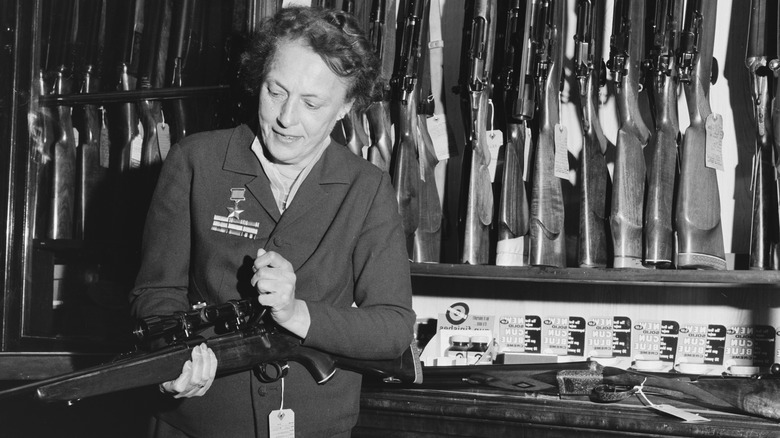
{"points": [[662, 166], [754, 396], [548, 237], [405, 165], [380, 147], [628, 188], [477, 210], [697, 218], [764, 226], [182, 41], [352, 123], [593, 175], [513, 213]]}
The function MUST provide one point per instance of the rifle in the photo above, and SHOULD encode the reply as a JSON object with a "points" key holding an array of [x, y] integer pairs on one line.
{"points": [[593, 174], [92, 176], [183, 41], [355, 134], [748, 395], [62, 213], [764, 227], [405, 165], [244, 342], [427, 236], [697, 218], [151, 68], [477, 210], [548, 237], [662, 78], [441, 144], [513, 215], [628, 188], [380, 147]]}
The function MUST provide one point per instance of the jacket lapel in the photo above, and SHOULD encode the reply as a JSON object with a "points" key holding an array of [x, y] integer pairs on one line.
{"points": [[241, 159]]}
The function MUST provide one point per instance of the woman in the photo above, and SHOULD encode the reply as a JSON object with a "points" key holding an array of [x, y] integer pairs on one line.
{"points": [[322, 248]]}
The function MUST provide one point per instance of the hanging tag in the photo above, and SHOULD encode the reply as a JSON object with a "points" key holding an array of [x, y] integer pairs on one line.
{"points": [[527, 154], [136, 146], [163, 139], [714, 143], [561, 152], [495, 139], [281, 423], [679, 413], [105, 141], [76, 136], [437, 128]]}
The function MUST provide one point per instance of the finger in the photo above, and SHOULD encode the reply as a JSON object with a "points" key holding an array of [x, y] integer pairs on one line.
{"points": [[212, 359], [180, 384]]}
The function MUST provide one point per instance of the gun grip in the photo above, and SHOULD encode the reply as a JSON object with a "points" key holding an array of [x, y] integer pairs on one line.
{"points": [[321, 365]]}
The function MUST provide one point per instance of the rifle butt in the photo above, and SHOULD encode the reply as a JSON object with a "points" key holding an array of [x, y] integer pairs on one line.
{"points": [[592, 239], [699, 231], [659, 235], [513, 213], [547, 212], [478, 211], [406, 173], [63, 209], [628, 191], [764, 226], [427, 237], [405, 369], [380, 145]]}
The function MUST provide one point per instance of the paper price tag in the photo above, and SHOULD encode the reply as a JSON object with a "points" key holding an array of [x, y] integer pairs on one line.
{"points": [[527, 155], [714, 142], [679, 413], [281, 423], [495, 139], [163, 139], [437, 129], [136, 147], [104, 147], [561, 152]]}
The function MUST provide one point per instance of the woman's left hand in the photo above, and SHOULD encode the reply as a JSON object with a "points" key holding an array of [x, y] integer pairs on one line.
{"points": [[274, 281]]}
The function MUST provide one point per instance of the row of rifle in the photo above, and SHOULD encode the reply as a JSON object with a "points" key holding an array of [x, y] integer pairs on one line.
{"points": [[97, 162], [661, 205]]}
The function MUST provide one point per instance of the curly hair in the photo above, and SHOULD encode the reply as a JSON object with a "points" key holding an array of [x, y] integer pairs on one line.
{"points": [[334, 35]]}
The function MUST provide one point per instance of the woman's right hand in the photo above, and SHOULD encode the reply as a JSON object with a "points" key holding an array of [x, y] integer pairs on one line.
{"points": [[197, 375]]}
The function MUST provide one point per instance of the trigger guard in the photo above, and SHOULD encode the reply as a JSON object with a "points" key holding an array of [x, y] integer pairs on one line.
{"points": [[279, 371]]}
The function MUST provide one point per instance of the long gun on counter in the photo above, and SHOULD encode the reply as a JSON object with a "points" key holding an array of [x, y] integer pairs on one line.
{"points": [[697, 217], [758, 396], [380, 147], [477, 209], [593, 241], [513, 213], [662, 165], [628, 176], [427, 236], [548, 237], [245, 342], [151, 75], [764, 226], [92, 168], [62, 213], [405, 168]]}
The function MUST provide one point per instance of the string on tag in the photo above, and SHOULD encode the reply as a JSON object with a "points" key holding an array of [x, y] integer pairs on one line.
{"points": [[639, 393], [490, 117], [281, 406]]}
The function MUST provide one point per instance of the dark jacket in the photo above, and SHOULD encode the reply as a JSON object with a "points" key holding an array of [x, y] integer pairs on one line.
{"points": [[342, 234]]}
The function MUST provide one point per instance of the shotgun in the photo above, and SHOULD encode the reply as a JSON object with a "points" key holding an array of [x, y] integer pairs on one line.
{"points": [[548, 237], [62, 213], [245, 342], [628, 185], [380, 147], [662, 165], [441, 141], [427, 236], [92, 176], [513, 214], [183, 42], [352, 124], [151, 75], [592, 242], [477, 207], [697, 217], [757, 395], [764, 226], [405, 166]]}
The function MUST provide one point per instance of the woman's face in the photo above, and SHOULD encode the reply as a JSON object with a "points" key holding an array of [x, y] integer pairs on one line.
{"points": [[300, 101]]}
